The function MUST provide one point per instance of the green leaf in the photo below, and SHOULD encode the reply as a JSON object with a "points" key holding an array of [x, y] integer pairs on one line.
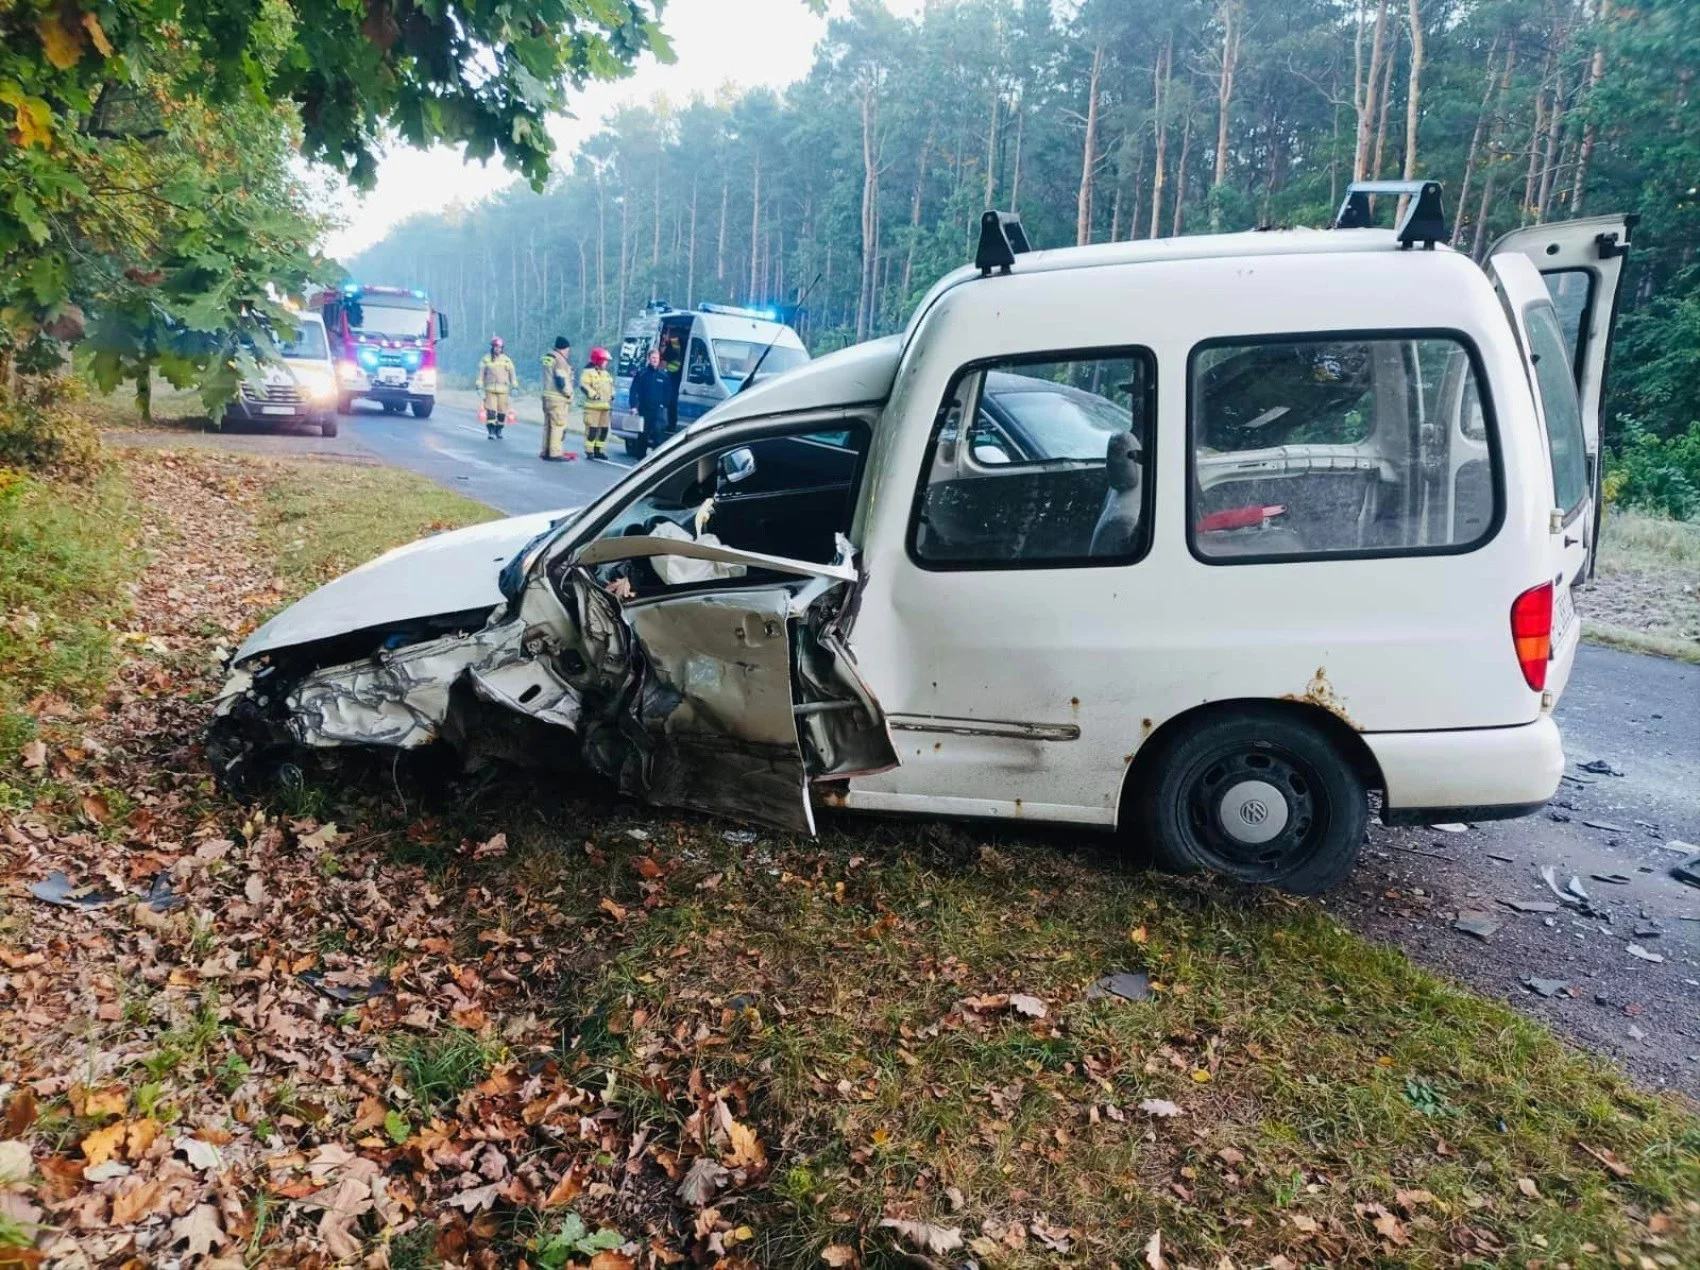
{"points": [[398, 1127]]}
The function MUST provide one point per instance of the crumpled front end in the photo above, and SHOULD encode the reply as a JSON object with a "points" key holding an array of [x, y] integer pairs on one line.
{"points": [[730, 701]]}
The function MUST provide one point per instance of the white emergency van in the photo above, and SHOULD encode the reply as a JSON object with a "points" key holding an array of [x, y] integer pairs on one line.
{"points": [[1206, 540], [710, 352]]}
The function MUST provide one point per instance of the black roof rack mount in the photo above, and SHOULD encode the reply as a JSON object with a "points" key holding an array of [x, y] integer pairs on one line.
{"points": [[1001, 240], [1424, 220]]}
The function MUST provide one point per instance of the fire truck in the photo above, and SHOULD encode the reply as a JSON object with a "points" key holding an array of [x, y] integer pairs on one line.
{"points": [[384, 343]]}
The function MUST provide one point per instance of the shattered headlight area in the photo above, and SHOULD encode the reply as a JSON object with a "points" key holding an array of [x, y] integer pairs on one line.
{"points": [[728, 700]]}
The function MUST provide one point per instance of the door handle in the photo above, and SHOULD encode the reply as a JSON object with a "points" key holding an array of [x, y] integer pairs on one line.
{"points": [[1570, 542]]}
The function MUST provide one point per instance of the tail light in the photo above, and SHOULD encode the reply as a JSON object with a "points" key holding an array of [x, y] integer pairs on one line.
{"points": [[1531, 633]]}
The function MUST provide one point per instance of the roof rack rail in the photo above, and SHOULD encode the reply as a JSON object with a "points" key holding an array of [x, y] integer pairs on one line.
{"points": [[1001, 240], [1424, 220]]}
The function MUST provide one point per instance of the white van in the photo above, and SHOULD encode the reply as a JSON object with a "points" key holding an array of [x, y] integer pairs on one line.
{"points": [[296, 384], [1205, 539], [711, 351]]}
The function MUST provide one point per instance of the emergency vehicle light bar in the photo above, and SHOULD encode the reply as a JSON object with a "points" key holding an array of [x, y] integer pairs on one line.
{"points": [[1424, 220]]}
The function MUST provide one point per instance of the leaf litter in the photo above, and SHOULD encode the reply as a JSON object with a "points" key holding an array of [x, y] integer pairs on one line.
{"points": [[295, 1042]]}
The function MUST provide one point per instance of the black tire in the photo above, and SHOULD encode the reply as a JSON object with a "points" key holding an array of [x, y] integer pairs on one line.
{"points": [[422, 409], [636, 447], [1242, 771], [327, 428]]}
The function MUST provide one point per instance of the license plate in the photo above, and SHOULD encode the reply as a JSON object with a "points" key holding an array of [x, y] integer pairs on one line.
{"points": [[277, 410], [1563, 616], [391, 377]]}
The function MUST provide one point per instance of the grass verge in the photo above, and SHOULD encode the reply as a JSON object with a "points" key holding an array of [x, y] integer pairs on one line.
{"points": [[321, 519], [67, 551], [1646, 595]]}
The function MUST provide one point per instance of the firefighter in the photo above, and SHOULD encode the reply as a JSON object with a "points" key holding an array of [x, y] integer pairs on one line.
{"points": [[651, 388], [557, 396], [496, 380], [598, 388]]}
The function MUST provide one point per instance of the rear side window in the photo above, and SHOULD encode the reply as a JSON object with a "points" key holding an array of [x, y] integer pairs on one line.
{"points": [[1571, 291], [1317, 447], [1040, 461], [1557, 386]]}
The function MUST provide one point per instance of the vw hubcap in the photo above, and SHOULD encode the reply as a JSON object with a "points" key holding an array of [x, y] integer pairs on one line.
{"points": [[1252, 812]]}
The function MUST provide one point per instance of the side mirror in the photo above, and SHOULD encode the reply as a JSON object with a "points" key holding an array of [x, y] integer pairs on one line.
{"points": [[988, 455], [700, 373], [442, 326], [737, 465]]}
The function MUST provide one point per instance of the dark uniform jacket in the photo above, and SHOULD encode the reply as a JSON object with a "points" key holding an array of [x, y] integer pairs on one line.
{"points": [[651, 387]]}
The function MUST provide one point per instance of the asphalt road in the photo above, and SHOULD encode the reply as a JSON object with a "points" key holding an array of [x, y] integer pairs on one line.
{"points": [[451, 448], [1639, 714]]}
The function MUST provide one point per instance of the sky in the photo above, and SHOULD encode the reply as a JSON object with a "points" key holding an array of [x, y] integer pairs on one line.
{"points": [[748, 43]]}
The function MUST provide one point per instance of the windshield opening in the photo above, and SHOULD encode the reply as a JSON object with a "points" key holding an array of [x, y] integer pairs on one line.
{"points": [[736, 358], [393, 320]]}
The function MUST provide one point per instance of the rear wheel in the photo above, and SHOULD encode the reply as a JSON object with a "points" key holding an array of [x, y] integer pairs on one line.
{"points": [[422, 409], [327, 428], [1259, 796]]}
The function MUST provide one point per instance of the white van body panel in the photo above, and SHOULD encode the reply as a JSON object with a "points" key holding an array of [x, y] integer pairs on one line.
{"points": [[1405, 644]]}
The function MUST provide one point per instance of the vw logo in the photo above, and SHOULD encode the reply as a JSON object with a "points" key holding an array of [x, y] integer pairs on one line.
{"points": [[1254, 811]]}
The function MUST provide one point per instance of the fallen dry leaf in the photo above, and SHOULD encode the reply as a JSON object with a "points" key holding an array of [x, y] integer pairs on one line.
{"points": [[924, 1236], [34, 754], [838, 1255], [747, 1151], [1032, 1007], [1528, 1187], [1160, 1107], [1154, 1252], [201, 1228], [102, 1144]]}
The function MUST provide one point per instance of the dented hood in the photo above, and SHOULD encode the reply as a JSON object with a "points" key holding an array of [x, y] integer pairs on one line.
{"points": [[454, 572]]}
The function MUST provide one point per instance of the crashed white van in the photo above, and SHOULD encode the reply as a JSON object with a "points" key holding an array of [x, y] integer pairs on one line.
{"points": [[1205, 538]]}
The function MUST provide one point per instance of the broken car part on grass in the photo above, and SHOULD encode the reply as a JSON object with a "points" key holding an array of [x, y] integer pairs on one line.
{"points": [[729, 701]]}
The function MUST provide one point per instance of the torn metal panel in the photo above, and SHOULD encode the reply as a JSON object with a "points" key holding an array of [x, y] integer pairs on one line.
{"points": [[841, 727], [397, 699]]}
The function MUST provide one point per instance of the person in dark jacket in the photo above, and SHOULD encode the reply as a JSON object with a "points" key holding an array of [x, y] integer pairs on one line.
{"points": [[651, 387]]}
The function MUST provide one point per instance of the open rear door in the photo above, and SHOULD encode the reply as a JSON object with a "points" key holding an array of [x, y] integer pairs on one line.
{"points": [[1581, 262]]}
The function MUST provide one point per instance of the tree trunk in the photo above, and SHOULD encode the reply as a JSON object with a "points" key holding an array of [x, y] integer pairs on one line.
{"points": [[1389, 57], [1475, 145], [1537, 134], [691, 249], [1479, 243], [1180, 175], [1596, 72], [992, 147], [720, 243], [870, 218], [1020, 132], [1116, 212], [601, 251], [625, 257], [1364, 85], [755, 231], [1414, 92], [655, 236], [916, 196], [1224, 104], [1089, 154], [1159, 99], [1555, 133]]}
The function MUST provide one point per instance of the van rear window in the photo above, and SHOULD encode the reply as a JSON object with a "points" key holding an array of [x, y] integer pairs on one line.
{"points": [[1324, 447]]}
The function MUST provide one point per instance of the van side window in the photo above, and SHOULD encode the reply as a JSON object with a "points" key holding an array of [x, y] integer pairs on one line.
{"points": [[1315, 447], [1572, 291], [1040, 461], [1563, 413], [699, 370]]}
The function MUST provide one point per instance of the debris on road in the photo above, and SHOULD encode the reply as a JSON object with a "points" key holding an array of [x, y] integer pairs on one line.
{"points": [[1546, 987], [1128, 985], [344, 986], [1606, 825], [1480, 925], [1451, 828], [1635, 950], [60, 890], [1688, 871], [1616, 879], [1600, 767], [1529, 906]]}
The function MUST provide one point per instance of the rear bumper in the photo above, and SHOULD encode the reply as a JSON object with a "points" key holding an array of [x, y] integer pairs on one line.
{"points": [[1489, 773]]}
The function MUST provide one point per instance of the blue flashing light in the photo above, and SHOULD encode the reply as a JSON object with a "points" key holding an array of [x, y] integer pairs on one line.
{"points": [[368, 357], [412, 357], [419, 293], [349, 288]]}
